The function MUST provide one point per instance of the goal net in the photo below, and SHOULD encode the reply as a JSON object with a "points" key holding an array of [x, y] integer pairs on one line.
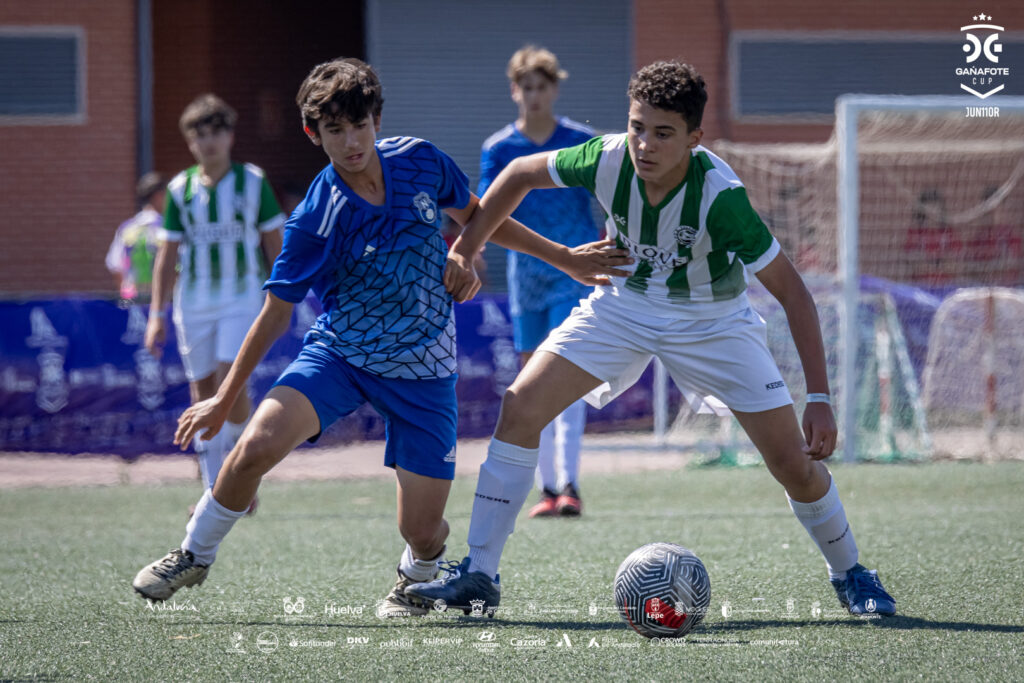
{"points": [[908, 226]]}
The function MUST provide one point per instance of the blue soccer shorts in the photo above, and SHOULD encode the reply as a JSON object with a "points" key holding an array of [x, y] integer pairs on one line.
{"points": [[530, 328], [420, 415]]}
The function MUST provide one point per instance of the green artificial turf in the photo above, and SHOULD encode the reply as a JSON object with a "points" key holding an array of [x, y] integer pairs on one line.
{"points": [[946, 539]]}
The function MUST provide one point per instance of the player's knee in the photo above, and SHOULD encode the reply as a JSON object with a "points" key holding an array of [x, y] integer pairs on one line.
{"points": [[523, 411], [253, 456], [796, 473]]}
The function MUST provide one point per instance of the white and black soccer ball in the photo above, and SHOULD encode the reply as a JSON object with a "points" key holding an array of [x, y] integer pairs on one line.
{"points": [[662, 590]]}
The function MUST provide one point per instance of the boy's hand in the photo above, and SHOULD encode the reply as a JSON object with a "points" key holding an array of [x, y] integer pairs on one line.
{"points": [[820, 430], [156, 335], [593, 262], [205, 417], [460, 278]]}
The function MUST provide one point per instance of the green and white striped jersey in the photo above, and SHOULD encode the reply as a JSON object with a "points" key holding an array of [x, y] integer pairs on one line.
{"points": [[218, 230], [693, 249]]}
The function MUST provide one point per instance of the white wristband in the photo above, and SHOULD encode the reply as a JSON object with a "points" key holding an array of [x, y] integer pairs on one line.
{"points": [[819, 398]]}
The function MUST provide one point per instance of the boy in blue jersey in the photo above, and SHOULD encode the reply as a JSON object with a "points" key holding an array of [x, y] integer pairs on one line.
{"points": [[541, 297], [366, 239]]}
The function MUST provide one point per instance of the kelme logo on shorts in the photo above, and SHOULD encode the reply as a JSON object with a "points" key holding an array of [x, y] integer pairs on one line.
{"points": [[775, 385]]}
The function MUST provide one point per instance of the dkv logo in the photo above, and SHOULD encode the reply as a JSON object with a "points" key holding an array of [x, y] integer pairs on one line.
{"points": [[982, 76]]}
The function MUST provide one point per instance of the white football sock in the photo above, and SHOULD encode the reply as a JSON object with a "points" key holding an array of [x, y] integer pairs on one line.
{"points": [[547, 475], [825, 521], [208, 527], [417, 569], [506, 478], [569, 433], [211, 457]]}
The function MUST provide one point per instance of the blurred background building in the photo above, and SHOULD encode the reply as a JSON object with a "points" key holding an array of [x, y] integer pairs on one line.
{"points": [[90, 92]]}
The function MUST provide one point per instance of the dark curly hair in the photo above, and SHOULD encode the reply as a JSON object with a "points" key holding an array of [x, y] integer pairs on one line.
{"points": [[342, 88], [673, 86]]}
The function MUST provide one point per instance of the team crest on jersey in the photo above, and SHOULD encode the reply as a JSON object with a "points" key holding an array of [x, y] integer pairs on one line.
{"points": [[426, 206], [685, 235]]}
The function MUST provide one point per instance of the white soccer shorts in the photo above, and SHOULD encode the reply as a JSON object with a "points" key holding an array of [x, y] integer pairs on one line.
{"points": [[214, 335], [716, 363]]}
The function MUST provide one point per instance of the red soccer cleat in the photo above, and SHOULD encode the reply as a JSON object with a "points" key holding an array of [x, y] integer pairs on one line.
{"points": [[548, 505], [568, 502]]}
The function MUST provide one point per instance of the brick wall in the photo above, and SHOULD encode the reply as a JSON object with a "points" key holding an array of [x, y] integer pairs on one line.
{"points": [[254, 55], [65, 188], [698, 31]]}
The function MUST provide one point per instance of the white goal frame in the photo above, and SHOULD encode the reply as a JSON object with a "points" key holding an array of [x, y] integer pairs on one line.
{"points": [[848, 111]]}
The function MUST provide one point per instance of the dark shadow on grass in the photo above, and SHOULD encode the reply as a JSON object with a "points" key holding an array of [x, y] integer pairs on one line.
{"points": [[453, 622], [912, 623], [898, 622], [617, 625], [721, 627]]}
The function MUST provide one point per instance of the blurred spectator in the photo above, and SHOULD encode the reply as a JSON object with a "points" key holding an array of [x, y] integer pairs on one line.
{"points": [[131, 254], [932, 247], [995, 244]]}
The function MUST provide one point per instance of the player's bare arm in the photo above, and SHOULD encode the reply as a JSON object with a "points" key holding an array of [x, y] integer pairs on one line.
{"points": [[163, 282], [270, 245], [501, 199], [460, 277], [590, 263], [781, 278], [272, 322]]}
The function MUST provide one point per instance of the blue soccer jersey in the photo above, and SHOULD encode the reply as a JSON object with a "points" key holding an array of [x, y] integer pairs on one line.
{"points": [[562, 216], [378, 269]]}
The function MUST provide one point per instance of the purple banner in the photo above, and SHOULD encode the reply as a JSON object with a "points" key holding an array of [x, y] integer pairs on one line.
{"points": [[75, 378]]}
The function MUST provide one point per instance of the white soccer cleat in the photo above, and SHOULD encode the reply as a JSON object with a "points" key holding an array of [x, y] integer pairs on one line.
{"points": [[177, 569], [397, 603]]}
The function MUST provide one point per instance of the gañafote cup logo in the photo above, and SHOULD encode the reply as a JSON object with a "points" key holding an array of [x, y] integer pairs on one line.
{"points": [[982, 75]]}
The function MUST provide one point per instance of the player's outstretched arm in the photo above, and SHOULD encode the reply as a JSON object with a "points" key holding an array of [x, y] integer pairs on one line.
{"points": [[781, 278], [592, 263], [272, 322], [489, 219], [502, 198]]}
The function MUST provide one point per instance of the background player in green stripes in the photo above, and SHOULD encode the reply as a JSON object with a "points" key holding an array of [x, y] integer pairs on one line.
{"points": [[685, 218], [223, 224]]}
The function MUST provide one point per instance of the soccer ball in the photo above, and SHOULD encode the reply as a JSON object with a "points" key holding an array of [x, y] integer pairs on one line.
{"points": [[662, 590]]}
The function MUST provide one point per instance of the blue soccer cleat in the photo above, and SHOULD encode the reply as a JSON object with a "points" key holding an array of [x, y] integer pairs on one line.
{"points": [[459, 588], [862, 593]]}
